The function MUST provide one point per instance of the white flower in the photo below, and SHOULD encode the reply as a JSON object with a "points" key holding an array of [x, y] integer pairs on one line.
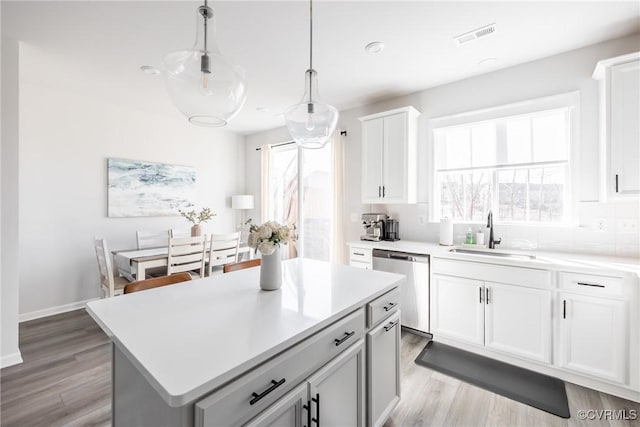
{"points": [[284, 233], [266, 248], [265, 232]]}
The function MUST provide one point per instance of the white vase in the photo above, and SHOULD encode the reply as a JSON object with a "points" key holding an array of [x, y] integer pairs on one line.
{"points": [[271, 271]]}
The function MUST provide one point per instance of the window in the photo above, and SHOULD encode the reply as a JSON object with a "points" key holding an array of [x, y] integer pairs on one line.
{"points": [[291, 168], [518, 166]]}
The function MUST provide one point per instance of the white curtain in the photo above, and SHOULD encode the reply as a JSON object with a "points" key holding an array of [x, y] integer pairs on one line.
{"points": [[265, 152], [337, 166]]}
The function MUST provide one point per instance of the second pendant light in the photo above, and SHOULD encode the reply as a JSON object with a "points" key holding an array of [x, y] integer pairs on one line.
{"points": [[311, 122]]}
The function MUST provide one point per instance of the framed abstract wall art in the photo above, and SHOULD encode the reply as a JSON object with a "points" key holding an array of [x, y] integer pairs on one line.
{"points": [[139, 188]]}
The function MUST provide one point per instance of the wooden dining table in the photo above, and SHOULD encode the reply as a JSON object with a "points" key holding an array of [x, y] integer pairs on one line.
{"points": [[133, 263]]}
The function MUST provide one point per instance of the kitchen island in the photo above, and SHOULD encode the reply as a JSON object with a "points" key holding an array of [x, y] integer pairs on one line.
{"points": [[219, 351]]}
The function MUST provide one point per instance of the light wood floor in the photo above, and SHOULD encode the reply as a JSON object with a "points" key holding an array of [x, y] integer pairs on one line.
{"points": [[430, 398], [65, 380]]}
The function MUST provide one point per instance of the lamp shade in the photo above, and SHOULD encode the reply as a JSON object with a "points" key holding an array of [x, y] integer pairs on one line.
{"points": [[243, 201]]}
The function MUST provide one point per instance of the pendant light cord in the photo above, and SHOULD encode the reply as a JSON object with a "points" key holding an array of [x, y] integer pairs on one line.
{"points": [[310, 34], [206, 18]]}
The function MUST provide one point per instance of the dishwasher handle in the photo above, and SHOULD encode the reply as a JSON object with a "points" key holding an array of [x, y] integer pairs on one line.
{"points": [[400, 256]]}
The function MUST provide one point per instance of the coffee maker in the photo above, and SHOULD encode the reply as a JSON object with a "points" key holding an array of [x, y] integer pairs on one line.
{"points": [[373, 224], [392, 230]]}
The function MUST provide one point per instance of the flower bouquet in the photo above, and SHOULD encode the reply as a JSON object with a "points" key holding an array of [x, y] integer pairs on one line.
{"points": [[267, 239], [269, 236]]}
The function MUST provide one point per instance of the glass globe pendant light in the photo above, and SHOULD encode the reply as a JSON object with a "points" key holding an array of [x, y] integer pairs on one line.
{"points": [[311, 122], [203, 84]]}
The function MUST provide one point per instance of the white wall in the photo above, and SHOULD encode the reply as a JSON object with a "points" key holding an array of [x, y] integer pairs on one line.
{"points": [[570, 71], [65, 140], [9, 352]]}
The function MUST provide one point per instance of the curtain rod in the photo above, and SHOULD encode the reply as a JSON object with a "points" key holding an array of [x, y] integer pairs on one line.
{"points": [[342, 133]]}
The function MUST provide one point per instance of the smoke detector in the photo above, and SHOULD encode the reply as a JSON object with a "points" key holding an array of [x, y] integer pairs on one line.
{"points": [[475, 34]]}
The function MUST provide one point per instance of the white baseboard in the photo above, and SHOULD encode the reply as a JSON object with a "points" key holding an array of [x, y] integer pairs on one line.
{"points": [[10, 360], [53, 310]]}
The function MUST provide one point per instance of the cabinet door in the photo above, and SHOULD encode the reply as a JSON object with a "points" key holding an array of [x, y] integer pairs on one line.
{"points": [[457, 308], [593, 336], [383, 370], [337, 390], [625, 127], [372, 160], [395, 158], [518, 321], [289, 411]]}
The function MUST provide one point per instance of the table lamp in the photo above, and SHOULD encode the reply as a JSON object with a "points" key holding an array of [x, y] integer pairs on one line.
{"points": [[242, 202]]}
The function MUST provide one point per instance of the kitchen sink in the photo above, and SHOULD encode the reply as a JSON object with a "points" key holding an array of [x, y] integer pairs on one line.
{"points": [[490, 252]]}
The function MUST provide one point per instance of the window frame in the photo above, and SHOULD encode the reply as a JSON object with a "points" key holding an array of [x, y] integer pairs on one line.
{"points": [[499, 114]]}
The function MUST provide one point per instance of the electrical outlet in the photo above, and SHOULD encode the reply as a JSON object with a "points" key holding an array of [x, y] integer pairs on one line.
{"points": [[601, 224], [422, 219], [627, 226]]}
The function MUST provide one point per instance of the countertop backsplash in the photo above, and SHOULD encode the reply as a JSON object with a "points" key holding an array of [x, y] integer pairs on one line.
{"points": [[609, 229]]}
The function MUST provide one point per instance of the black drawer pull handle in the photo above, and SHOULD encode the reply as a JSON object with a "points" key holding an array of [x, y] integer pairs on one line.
{"points": [[274, 385], [594, 285], [358, 253], [564, 309], [390, 326], [390, 306], [347, 335]]}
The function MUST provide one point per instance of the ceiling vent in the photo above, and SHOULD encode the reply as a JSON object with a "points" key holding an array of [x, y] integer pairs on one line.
{"points": [[475, 34]]}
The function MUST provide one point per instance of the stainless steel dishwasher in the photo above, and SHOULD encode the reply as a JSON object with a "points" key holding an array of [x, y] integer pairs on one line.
{"points": [[414, 293]]}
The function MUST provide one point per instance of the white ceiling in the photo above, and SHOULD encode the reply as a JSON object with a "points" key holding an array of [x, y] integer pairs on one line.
{"points": [[98, 47]]}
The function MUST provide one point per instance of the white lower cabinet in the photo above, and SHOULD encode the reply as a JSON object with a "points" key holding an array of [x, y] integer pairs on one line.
{"points": [[337, 391], [518, 321], [383, 370], [594, 336], [508, 318], [333, 396], [582, 326], [290, 411], [457, 309]]}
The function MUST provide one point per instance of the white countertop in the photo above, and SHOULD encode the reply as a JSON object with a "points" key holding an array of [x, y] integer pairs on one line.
{"points": [[547, 260], [190, 338]]}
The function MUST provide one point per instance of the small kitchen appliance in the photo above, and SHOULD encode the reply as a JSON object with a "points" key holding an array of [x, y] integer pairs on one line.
{"points": [[374, 226], [392, 230]]}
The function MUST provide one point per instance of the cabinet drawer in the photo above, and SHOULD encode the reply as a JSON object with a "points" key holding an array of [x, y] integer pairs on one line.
{"points": [[360, 264], [250, 394], [383, 306], [531, 277], [591, 284], [360, 254]]}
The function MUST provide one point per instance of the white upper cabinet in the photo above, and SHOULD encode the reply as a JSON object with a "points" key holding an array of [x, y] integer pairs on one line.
{"points": [[619, 125], [389, 156]]}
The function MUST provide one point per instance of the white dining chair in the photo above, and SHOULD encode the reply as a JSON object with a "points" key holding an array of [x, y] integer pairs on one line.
{"points": [[152, 239], [179, 232], [187, 254], [223, 249], [110, 285]]}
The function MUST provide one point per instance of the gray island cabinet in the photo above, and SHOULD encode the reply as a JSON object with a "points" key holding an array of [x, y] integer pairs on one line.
{"points": [[323, 350]]}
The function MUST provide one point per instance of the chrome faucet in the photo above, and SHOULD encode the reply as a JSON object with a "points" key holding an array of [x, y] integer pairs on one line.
{"points": [[492, 242]]}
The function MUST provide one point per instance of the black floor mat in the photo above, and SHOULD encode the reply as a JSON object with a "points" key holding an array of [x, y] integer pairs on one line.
{"points": [[531, 388]]}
